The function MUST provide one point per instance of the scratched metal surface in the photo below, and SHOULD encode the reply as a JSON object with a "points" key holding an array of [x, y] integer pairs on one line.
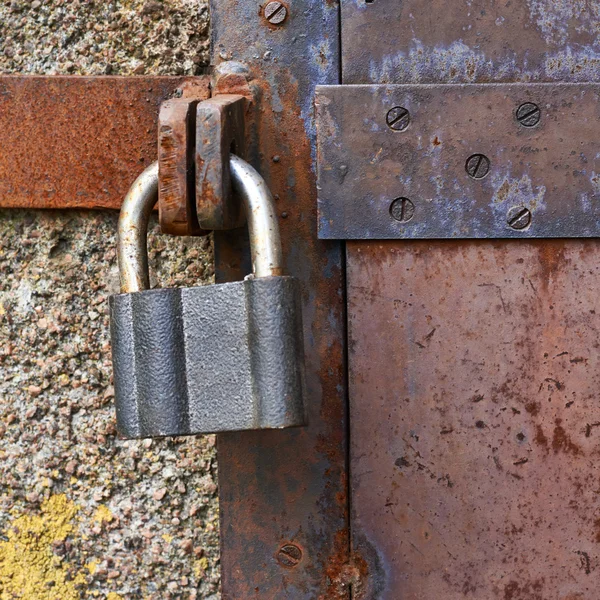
{"points": [[475, 418], [550, 169], [461, 41], [283, 495], [78, 142]]}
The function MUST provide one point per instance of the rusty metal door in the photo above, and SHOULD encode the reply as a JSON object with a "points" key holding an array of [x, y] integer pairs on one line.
{"points": [[473, 364]]}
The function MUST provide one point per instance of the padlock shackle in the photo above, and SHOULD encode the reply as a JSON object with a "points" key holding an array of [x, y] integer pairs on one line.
{"points": [[263, 227], [132, 242]]}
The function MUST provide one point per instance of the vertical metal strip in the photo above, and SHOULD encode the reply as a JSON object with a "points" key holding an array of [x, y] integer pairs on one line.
{"points": [[283, 494]]}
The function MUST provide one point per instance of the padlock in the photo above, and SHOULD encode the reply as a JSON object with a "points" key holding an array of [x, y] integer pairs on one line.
{"points": [[213, 358]]}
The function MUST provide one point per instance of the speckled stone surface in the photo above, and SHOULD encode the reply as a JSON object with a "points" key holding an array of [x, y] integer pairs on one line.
{"points": [[82, 514], [99, 37]]}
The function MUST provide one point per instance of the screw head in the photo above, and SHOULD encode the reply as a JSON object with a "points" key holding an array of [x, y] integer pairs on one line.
{"points": [[477, 166], [275, 12], [402, 210], [518, 217], [289, 555], [529, 114], [398, 118]]}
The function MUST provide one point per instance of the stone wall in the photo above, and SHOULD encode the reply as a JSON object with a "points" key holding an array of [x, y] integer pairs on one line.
{"points": [[83, 514]]}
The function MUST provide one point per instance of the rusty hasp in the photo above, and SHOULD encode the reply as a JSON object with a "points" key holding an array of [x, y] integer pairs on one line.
{"points": [[458, 161], [219, 132], [176, 190], [79, 142]]}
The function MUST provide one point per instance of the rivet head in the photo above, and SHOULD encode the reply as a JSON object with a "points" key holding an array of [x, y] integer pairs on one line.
{"points": [[402, 210], [518, 217], [529, 114], [275, 12], [289, 555], [477, 166], [398, 118]]}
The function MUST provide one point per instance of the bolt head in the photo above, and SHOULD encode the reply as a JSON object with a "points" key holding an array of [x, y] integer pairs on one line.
{"points": [[529, 114], [289, 555], [477, 166], [518, 217], [398, 118], [402, 210], [275, 12]]}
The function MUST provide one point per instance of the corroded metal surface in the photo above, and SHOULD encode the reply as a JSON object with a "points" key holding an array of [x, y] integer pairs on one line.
{"points": [[219, 132], [176, 190], [77, 141], [464, 161], [460, 41], [287, 489], [474, 418]]}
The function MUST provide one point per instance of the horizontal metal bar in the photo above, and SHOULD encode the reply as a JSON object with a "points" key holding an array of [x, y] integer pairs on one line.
{"points": [[79, 142]]}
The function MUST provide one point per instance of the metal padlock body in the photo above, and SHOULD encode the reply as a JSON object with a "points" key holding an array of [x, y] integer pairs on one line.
{"points": [[208, 359]]}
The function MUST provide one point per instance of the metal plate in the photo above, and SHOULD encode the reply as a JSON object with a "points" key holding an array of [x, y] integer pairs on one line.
{"points": [[460, 41], [475, 437], [79, 142], [551, 169]]}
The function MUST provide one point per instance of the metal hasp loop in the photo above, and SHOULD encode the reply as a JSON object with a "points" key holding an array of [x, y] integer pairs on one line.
{"points": [[265, 242]]}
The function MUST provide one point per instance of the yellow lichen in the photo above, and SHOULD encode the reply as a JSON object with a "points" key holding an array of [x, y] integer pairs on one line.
{"points": [[113, 596], [29, 569], [92, 567], [200, 567], [103, 515]]}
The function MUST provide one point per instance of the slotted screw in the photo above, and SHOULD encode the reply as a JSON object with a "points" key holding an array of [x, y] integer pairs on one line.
{"points": [[518, 217], [402, 209], [289, 555], [478, 166], [398, 118], [275, 13], [529, 114]]}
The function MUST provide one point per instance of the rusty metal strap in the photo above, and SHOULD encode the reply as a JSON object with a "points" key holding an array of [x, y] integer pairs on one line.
{"points": [[458, 161], [79, 142]]}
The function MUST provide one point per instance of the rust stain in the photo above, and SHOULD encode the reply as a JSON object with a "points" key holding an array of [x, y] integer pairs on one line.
{"points": [[524, 591], [540, 438], [561, 441]]}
